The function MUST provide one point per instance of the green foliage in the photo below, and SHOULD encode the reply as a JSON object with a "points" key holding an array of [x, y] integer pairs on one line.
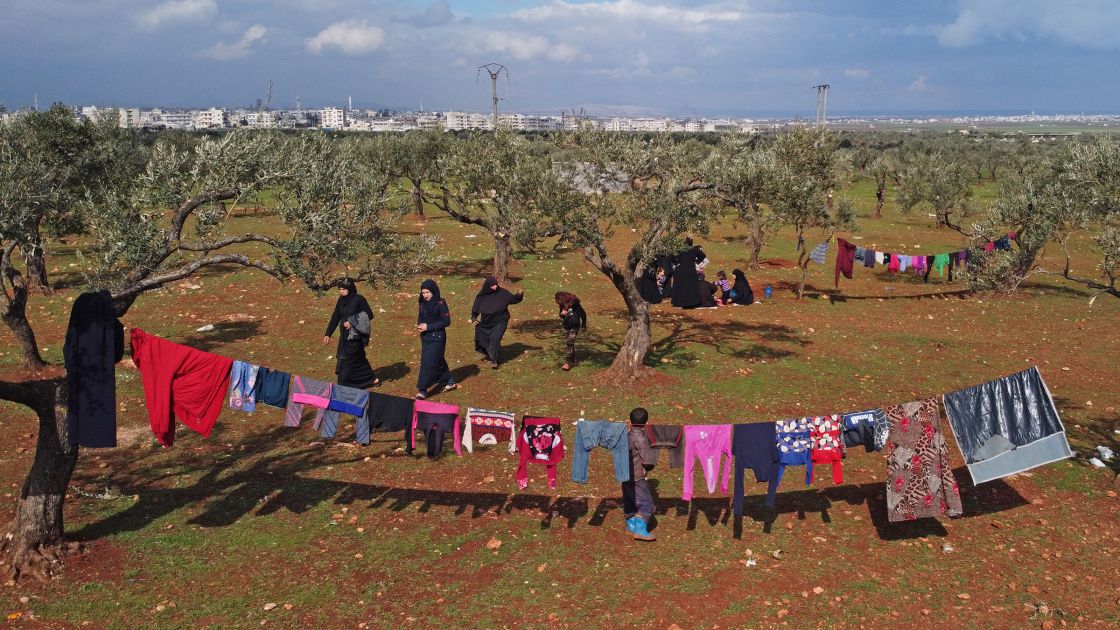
{"points": [[935, 180]]}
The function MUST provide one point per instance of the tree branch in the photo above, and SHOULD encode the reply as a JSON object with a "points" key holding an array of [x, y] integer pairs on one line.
{"points": [[225, 242], [153, 282], [189, 206], [26, 394]]}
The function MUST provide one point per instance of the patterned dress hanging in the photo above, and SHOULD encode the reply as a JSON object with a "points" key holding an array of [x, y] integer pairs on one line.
{"points": [[920, 483]]}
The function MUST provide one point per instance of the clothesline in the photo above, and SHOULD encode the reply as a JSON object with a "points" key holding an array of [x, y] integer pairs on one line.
{"points": [[1002, 427], [848, 253]]}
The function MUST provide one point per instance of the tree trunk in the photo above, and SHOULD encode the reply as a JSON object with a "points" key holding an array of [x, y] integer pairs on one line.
{"points": [[803, 262], [503, 252], [35, 257], [880, 195], [757, 239], [629, 363], [34, 543], [14, 315], [417, 199]]}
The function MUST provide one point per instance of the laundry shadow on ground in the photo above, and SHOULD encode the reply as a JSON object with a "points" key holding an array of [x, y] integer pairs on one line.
{"points": [[273, 470]]}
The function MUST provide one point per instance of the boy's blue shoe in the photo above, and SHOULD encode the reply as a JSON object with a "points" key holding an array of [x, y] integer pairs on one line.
{"points": [[640, 532], [632, 523]]}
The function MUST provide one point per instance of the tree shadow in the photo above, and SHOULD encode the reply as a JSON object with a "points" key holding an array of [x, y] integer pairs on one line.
{"points": [[477, 269], [223, 333], [1101, 427]]}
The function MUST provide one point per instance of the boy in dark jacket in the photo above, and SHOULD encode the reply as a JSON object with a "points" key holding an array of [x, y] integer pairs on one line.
{"points": [[637, 500]]}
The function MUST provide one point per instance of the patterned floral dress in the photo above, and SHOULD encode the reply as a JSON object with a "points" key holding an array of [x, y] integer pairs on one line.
{"points": [[920, 483]]}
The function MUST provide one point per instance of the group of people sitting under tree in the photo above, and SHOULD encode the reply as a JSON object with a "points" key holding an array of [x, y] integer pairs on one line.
{"points": [[681, 279], [489, 315]]}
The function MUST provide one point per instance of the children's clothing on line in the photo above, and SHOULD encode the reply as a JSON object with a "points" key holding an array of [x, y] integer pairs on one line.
{"points": [[940, 261], [191, 382], [920, 481], [540, 442], [903, 263], [869, 258], [866, 428], [824, 431], [491, 427], [242, 386], [755, 447], [347, 400], [706, 443], [387, 412], [819, 253], [895, 263], [669, 438], [435, 420], [272, 387], [611, 436], [306, 391], [1007, 426], [794, 444], [880, 257]]}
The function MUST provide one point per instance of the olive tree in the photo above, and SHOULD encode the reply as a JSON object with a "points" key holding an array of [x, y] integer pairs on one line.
{"points": [[938, 181]]}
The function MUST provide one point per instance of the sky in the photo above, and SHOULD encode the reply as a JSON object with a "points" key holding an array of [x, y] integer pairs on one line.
{"points": [[634, 57]]}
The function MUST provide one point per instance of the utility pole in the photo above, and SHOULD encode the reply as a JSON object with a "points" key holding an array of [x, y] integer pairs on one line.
{"points": [[822, 103], [494, 70]]}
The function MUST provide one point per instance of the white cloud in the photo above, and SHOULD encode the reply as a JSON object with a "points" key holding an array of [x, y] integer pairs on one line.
{"points": [[857, 73], [919, 84], [524, 47], [631, 10], [239, 49], [1088, 23], [177, 11], [349, 36]]}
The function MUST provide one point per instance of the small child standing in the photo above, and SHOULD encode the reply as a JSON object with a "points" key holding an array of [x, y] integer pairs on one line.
{"points": [[573, 318], [637, 500], [724, 286]]}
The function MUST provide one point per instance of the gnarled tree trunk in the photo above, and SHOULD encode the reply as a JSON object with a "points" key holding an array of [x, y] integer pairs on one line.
{"points": [[757, 240], [880, 196], [629, 363], [34, 542], [417, 199], [503, 253], [35, 258]]}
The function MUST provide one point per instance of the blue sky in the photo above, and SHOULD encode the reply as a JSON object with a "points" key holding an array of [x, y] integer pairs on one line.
{"points": [[609, 56]]}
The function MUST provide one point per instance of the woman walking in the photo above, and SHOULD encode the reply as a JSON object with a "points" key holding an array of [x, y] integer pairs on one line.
{"points": [[573, 318], [354, 314], [490, 316], [432, 320]]}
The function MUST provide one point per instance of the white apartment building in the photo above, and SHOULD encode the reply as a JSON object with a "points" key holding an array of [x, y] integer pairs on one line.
{"points": [[128, 118], [458, 121], [332, 118], [522, 122], [177, 120], [90, 113], [262, 120], [212, 118], [429, 121]]}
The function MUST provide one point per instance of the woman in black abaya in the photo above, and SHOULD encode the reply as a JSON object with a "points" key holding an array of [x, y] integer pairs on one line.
{"points": [[686, 280], [432, 321], [490, 315], [353, 313], [741, 290]]}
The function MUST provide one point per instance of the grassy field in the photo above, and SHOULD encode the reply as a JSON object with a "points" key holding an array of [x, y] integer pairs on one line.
{"points": [[267, 525]]}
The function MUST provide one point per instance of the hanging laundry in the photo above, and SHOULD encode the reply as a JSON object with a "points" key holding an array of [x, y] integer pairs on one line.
{"points": [[272, 387], [940, 261], [960, 258], [706, 443], [845, 259], [869, 258], [191, 382], [386, 412], [824, 432], [895, 263], [867, 428], [1002, 243], [348, 400], [540, 442], [819, 253], [611, 436], [242, 384], [755, 446], [903, 263], [669, 438], [435, 420], [306, 391], [94, 345], [990, 246], [794, 446], [492, 427], [860, 253], [920, 482], [881, 258], [1007, 426]]}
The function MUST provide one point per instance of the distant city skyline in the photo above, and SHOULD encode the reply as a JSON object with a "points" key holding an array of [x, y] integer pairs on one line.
{"points": [[609, 57]]}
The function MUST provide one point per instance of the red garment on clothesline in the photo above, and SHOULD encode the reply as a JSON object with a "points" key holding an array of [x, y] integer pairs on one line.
{"points": [[191, 382]]}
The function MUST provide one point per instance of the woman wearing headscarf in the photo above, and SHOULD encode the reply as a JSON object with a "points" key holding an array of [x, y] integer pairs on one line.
{"points": [[490, 315], [432, 320], [573, 319], [353, 313], [741, 292], [686, 279]]}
